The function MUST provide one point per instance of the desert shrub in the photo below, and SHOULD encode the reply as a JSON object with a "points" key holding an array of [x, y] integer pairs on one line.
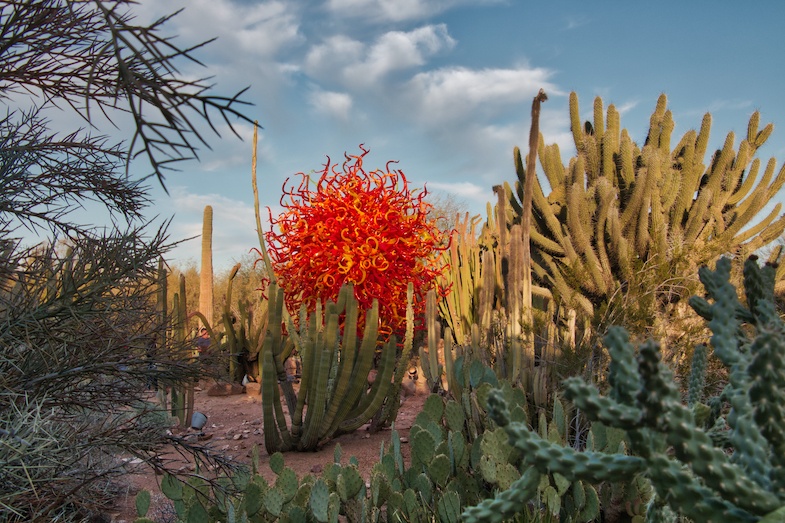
{"points": [[82, 342]]}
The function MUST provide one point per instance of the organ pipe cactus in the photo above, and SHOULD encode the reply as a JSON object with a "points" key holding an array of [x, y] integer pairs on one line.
{"points": [[206, 272], [741, 478], [469, 301], [618, 211], [336, 365], [244, 329]]}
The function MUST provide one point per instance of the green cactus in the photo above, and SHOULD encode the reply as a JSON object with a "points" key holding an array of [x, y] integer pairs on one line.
{"points": [[206, 270], [335, 371], [319, 501], [349, 483], [287, 483], [244, 331], [142, 503], [462, 308], [429, 359], [389, 410], [689, 474], [182, 395]]}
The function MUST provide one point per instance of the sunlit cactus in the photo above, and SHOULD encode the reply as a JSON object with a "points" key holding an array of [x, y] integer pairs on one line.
{"points": [[206, 273], [619, 211]]}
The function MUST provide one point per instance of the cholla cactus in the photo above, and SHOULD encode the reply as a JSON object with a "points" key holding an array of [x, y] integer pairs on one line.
{"points": [[691, 474]]}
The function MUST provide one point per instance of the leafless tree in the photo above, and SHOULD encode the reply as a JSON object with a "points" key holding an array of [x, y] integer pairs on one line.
{"points": [[82, 340]]}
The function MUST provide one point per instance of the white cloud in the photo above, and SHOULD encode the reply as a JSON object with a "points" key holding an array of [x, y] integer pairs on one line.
{"points": [[574, 22], [396, 10], [455, 94], [627, 107], [361, 65], [254, 30], [338, 105], [397, 50], [333, 54]]}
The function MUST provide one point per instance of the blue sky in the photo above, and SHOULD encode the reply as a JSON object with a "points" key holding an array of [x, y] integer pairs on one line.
{"points": [[445, 87]]}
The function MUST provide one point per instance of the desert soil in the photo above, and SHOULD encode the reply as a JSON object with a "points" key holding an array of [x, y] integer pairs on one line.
{"points": [[234, 427]]}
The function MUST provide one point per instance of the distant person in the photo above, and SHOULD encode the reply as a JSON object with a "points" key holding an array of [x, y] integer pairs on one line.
{"points": [[203, 344]]}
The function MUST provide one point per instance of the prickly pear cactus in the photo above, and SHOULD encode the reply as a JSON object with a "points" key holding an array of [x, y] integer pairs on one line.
{"points": [[691, 476]]}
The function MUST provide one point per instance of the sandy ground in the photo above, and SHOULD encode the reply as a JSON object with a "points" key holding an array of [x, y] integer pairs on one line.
{"points": [[234, 426]]}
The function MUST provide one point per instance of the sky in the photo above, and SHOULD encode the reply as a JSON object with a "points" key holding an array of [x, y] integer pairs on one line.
{"points": [[445, 87]]}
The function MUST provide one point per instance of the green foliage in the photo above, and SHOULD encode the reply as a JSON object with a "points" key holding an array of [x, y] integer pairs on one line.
{"points": [[336, 366], [690, 474], [81, 338]]}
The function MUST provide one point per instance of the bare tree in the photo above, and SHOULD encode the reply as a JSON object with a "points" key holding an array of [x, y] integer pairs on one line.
{"points": [[447, 208], [82, 341]]}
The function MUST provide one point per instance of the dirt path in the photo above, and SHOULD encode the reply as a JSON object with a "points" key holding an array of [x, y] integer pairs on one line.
{"points": [[234, 426]]}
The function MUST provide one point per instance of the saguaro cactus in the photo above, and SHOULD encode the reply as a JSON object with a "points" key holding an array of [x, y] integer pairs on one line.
{"points": [[206, 272], [683, 451]]}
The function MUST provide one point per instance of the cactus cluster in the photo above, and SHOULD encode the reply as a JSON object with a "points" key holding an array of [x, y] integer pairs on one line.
{"points": [[446, 471], [244, 330], [181, 401], [617, 205], [618, 238], [451, 469], [702, 462], [336, 364]]}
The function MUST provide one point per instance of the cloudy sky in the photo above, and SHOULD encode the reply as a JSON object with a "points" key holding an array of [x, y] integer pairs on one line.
{"points": [[445, 88]]}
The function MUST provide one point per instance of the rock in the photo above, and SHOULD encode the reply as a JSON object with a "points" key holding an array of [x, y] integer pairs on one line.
{"points": [[292, 367], [252, 388], [225, 389], [317, 469], [408, 388]]}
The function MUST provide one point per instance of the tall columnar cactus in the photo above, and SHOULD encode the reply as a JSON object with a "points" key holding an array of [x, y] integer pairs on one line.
{"points": [[392, 401], [336, 365], [620, 212], [162, 307], [182, 403], [738, 477], [469, 301], [206, 272], [429, 360]]}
